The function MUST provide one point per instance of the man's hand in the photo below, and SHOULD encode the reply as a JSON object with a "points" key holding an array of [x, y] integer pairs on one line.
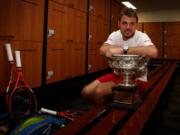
{"points": [[110, 50]]}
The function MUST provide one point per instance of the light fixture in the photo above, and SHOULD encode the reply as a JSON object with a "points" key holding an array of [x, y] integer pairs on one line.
{"points": [[128, 4]]}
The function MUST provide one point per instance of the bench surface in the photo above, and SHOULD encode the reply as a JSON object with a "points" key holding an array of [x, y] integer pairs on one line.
{"points": [[103, 119]]}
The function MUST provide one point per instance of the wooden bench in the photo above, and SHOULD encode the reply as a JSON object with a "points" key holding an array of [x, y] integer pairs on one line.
{"points": [[103, 119]]}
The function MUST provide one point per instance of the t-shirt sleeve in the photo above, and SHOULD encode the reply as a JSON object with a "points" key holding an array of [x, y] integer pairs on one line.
{"points": [[145, 40], [111, 39]]}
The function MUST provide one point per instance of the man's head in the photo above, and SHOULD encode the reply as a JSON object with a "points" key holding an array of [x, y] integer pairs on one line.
{"points": [[127, 22]]}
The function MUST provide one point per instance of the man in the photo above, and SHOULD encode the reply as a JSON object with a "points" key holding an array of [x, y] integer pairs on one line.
{"points": [[127, 40]]}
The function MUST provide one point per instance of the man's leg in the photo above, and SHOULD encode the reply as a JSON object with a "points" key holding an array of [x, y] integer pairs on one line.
{"points": [[88, 90], [97, 91]]}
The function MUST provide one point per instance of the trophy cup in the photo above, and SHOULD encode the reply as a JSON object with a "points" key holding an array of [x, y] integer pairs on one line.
{"points": [[129, 67]]}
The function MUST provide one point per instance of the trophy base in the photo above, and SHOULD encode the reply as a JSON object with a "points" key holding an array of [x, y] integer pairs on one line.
{"points": [[120, 105], [126, 97]]}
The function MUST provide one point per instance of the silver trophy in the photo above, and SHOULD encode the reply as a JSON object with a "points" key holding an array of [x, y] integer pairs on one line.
{"points": [[129, 67]]}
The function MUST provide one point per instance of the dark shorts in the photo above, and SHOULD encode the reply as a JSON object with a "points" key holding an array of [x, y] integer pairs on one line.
{"points": [[118, 79]]}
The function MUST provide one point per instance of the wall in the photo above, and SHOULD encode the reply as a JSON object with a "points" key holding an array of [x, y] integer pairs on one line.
{"points": [[159, 16]]}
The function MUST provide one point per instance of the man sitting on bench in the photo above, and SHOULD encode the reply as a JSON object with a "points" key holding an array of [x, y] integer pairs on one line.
{"points": [[126, 40]]}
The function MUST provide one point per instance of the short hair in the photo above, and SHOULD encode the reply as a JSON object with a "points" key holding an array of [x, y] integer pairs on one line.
{"points": [[128, 12]]}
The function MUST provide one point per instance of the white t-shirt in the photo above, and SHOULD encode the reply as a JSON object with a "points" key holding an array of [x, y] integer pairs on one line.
{"points": [[139, 39]]}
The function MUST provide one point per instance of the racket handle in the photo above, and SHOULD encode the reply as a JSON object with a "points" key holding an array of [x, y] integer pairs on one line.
{"points": [[18, 58], [9, 52], [44, 110]]}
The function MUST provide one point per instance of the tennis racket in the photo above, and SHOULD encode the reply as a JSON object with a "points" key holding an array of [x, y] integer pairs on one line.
{"points": [[22, 101], [13, 72], [70, 115]]}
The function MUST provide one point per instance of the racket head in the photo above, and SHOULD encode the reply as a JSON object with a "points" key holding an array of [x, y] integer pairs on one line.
{"points": [[22, 103]]}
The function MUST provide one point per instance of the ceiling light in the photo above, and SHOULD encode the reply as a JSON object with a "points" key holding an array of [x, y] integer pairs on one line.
{"points": [[128, 4]]}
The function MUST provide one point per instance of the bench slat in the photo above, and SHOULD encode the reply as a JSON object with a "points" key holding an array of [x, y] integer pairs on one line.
{"points": [[109, 122]]}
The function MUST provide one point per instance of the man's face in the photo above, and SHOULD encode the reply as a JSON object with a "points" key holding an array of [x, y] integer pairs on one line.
{"points": [[127, 26]]}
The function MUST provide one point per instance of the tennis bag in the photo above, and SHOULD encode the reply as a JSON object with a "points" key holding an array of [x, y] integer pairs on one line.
{"points": [[39, 125]]}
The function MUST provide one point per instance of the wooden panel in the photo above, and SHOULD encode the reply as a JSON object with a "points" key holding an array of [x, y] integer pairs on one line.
{"points": [[57, 48], [155, 32], [172, 40], [4, 68], [56, 21], [80, 4], [59, 1], [77, 4], [114, 25], [80, 27], [92, 32], [115, 12], [94, 7], [105, 30], [104, 64], [58, 62], [140, 26], [98, 31], [106, 9], [99, 34], [6, 15], [28, 19], [22, 19], [92, 61], [69, 24], [172, 52], [66, 47], [99, 60], [77, 62]]}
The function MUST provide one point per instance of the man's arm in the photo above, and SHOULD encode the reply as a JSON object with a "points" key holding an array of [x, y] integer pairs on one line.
{"points": [[149, 51], [110, 50]]}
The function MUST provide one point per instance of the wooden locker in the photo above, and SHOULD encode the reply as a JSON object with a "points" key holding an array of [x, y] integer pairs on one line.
{"points": [[7, 19], [57, 48], [29, 20], [155, 32], [172, 40], [140, 26], [115, 12], [66, 45]]}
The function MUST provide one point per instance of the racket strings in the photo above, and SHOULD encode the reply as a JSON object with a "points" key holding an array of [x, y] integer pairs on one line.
{"points": [[22, 102]]}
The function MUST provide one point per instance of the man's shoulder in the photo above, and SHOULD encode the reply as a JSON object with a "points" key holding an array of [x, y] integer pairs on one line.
{"points": [[117, 32], [137, 32]]}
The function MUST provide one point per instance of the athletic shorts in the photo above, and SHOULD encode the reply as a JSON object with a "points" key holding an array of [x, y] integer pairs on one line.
{"points": [[118, 79]]}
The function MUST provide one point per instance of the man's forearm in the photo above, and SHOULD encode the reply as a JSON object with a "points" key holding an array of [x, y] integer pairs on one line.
{"points": [[110, 50], [149, 51]]}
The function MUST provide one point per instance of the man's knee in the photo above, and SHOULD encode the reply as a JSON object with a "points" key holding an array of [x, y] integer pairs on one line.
{"points": [[84, 91], [98, 92]]}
